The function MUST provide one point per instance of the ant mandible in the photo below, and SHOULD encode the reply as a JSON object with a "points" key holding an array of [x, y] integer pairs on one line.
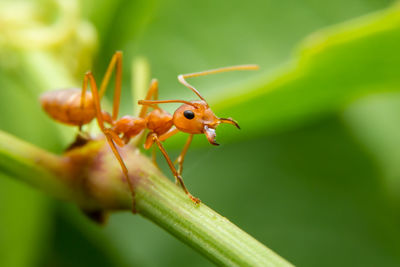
{"points": [[78, 107]]}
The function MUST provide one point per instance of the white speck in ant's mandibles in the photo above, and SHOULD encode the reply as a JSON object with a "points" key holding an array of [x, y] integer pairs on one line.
{"points": [[78, 107]]}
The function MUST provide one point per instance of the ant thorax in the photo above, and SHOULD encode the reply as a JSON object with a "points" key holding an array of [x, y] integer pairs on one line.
{"points": [[129, 126], [159, 121]]}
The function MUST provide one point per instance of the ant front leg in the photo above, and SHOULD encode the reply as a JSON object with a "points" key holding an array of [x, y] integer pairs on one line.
{"points": [[181, 157], [179, 180], [164, 137], [152, 93]]}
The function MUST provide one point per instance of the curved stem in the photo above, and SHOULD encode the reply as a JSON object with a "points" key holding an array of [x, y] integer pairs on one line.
{"points": [[91, 177], [24, 161], [201, 227]]}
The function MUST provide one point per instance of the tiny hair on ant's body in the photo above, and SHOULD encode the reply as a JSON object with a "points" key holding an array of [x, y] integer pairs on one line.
{"points": [[78, 107]]}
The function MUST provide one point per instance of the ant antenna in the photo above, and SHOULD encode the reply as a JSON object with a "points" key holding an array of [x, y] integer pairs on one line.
{"points": [[155, 102], [182, 77], [182, 80]]}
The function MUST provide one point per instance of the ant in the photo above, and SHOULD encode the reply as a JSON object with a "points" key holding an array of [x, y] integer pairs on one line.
{"points": [[78, 107]]}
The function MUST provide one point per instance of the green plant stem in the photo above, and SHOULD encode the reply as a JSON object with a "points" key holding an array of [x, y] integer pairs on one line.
{"points": [[91, 177], [31, 164], [201, 228]]}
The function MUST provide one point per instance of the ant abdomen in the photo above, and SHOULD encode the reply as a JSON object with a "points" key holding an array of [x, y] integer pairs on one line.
{"points": [[65, 106]]}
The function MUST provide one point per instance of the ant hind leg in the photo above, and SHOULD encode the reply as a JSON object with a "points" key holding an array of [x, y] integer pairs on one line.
{"points": [[110, 135], [152, 93]]}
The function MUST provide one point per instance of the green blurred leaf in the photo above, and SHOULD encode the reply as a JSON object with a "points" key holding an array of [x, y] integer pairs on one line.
{"points": [[375, 122], [335, 66], [184, 38]]}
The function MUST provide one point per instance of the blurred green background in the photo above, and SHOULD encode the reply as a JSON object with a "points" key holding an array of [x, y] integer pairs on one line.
{"points": [[314, 173]]}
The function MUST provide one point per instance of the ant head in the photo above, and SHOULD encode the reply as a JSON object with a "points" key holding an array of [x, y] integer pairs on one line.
{"points": [[196, 117]]}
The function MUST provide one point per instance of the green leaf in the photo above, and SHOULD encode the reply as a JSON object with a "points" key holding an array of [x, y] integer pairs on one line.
{"points": [[279, 96], [185, 38], [375, 122], [335, 66]]}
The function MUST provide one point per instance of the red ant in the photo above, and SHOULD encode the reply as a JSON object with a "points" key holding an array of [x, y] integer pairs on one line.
{"points": [[78, 107]]}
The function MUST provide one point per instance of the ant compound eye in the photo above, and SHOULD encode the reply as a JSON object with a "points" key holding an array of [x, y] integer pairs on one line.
{"points": [[188, 114]]}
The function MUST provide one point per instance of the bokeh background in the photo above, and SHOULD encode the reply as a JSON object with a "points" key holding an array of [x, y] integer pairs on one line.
{"points": [[314, 173]]}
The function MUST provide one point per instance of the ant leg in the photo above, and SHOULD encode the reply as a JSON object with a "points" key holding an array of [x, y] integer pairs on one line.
{"points": [[83, 98], [172, 167], [149, 142], [110, 135], [182, 77], [116, 62], [154, 157], [110, 141], [151, 93], [181, 157], [100, 116], [168, 134], [117, 58]]}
